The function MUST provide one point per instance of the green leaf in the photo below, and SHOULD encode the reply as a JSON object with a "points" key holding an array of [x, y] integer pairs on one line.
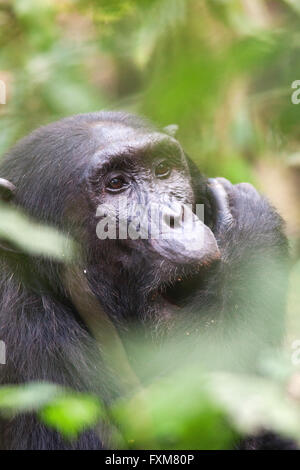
{"points": [[71, 414], [32, 237], [67, 412], [175, 413], [29, 397]]}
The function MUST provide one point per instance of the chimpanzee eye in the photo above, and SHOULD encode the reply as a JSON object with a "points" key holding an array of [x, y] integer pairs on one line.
{"points": [[116, 184], [163, 170]]}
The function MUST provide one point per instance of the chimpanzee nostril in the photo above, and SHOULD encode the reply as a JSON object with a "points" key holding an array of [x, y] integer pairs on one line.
{"points": [[172, 217]]}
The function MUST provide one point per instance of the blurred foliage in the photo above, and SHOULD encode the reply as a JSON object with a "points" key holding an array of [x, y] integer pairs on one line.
{"points": [[71, 413], [63, 410], [159, 417], [220, 69], [186, 410], [33, 238]]}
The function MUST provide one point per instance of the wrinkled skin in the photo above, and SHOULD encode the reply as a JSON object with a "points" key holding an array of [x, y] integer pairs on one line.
{"points": [[59, 175]]}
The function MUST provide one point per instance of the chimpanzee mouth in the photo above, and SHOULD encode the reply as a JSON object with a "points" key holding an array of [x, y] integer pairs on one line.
{"points": [[182, 290]]}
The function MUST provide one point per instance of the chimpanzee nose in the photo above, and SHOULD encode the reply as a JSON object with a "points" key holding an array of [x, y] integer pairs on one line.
{"points": [[183, 238]]}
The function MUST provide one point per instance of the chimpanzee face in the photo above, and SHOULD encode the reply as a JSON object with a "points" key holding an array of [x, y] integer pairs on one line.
{"points": [[142, 179]]}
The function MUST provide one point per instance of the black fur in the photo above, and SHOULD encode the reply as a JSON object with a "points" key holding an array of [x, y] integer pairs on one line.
{"points": [[58, 181]]}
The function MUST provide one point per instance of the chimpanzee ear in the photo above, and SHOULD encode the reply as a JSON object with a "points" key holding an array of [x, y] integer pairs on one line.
{"points": [[7, 190], [171, 130], [194, 171]]}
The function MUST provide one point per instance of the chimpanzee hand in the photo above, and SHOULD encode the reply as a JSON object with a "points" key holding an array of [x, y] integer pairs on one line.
{"points": [[244, 217]]}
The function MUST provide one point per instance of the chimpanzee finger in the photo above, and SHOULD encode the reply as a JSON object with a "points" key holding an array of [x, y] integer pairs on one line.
{"points": [[248, 190], [220, 189], [228, 186]]}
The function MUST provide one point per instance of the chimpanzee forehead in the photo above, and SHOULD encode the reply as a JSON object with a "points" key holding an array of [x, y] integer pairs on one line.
{"points": [[112, 132], [109, 132], [115, 139]]}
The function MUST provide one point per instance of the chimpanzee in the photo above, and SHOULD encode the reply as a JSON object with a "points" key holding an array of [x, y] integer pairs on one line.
{"points": [[227, 273]]}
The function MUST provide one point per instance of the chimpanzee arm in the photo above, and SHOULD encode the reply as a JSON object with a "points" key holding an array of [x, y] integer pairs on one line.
{"points": [[251, 279], [253, 274]]}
